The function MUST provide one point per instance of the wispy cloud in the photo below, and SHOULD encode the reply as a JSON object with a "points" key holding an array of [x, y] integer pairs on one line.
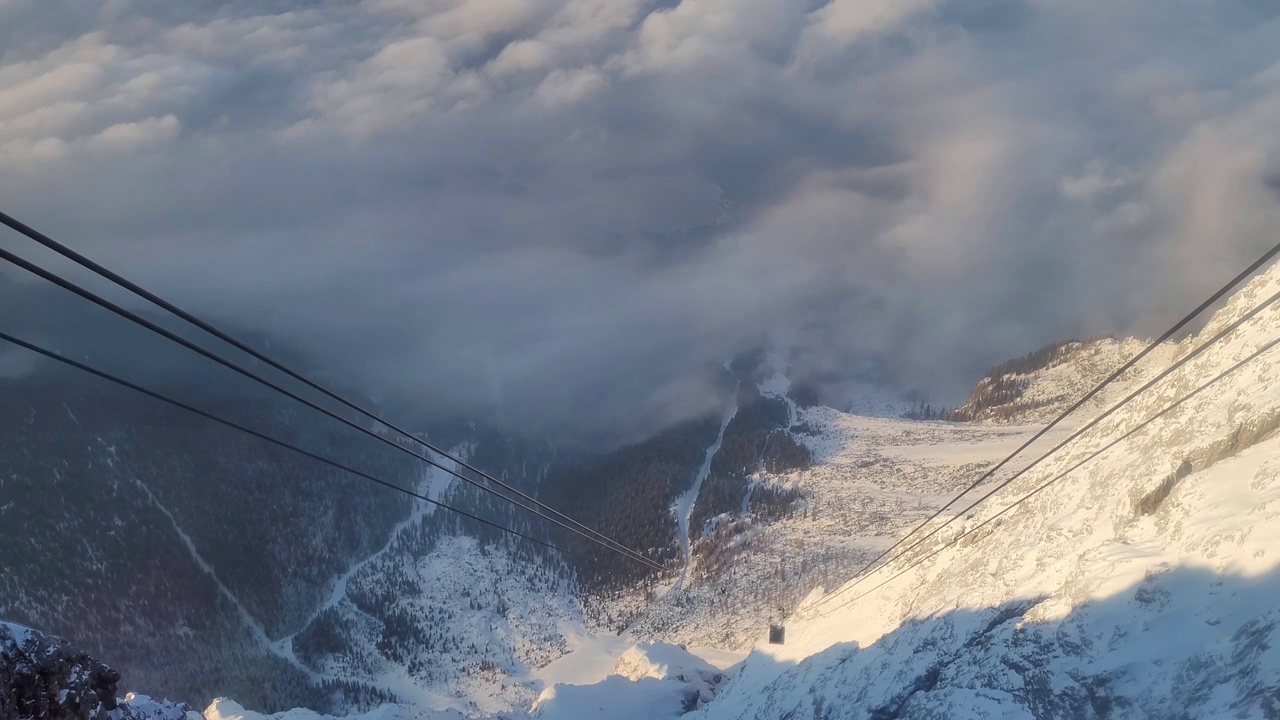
{"points": [[577, 206]]}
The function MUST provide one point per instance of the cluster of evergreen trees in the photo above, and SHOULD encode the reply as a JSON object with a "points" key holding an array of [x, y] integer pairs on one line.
{"points": [[102, 482], [922, 410], [998, 395], [628, 495], [755, 440]]}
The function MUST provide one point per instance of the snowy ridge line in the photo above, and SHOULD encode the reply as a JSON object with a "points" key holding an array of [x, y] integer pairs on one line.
{"points": [[1071, 438], [1130, 433]]}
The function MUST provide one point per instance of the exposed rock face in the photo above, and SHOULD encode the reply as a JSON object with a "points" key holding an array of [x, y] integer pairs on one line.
{"points": [[45, 677]]}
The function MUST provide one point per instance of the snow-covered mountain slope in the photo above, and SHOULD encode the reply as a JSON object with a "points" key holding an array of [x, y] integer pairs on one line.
{"points": [[1036, 388], [447, 615], [872, 479], [170, 548], [460, 625], [197, 560], [1143, 584]]}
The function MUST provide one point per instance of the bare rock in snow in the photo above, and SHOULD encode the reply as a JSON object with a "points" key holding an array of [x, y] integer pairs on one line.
{"points": [[45, 677]]}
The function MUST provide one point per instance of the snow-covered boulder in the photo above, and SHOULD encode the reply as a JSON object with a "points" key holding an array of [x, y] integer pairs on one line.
{"points": [[670, 662], [649, 681]]}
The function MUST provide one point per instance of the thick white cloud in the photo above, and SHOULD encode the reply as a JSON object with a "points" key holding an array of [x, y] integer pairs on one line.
{"points": [[588, 201]]}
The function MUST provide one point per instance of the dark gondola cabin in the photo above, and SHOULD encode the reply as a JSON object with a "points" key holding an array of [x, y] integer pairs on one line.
{"points": [[777, 634]]}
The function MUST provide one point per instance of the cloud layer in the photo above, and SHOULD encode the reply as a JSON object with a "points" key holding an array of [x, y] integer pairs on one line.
{"points": [[566, 211]]}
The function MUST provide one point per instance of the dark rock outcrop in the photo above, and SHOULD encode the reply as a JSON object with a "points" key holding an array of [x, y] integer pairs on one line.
{"points": [[45, 677]]}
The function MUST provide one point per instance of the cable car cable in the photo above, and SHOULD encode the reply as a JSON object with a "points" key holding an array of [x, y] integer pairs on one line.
{"points": [[104, 272], [267, 438], [1145, 387], [1167, 335], [1253, 356], [139, 320]]}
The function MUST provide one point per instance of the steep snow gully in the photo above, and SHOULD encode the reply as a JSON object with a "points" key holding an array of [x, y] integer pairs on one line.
{"points": [[683, 508]]}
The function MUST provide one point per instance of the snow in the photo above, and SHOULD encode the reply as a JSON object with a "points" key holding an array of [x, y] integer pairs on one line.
{"points": [[659, 661], [1073, 600], [1079, 602], [482, 623], [20, 633], [224, 709], [648, 681], [588, 661], [615, 698], [684, 504], [873, 479], [601, 677], [434, 484], [593, 657]]}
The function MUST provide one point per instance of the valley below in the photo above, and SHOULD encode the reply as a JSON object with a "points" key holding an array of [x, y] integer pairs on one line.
{"points": [[1138, 582]]}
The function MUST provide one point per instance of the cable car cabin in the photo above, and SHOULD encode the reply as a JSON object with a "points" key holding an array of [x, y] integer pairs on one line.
{"points": [[777, 634]]}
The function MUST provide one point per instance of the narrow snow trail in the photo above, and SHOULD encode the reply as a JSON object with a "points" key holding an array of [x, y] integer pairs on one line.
{"points": [[435, 482], [250, 622], [685, 503]]}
